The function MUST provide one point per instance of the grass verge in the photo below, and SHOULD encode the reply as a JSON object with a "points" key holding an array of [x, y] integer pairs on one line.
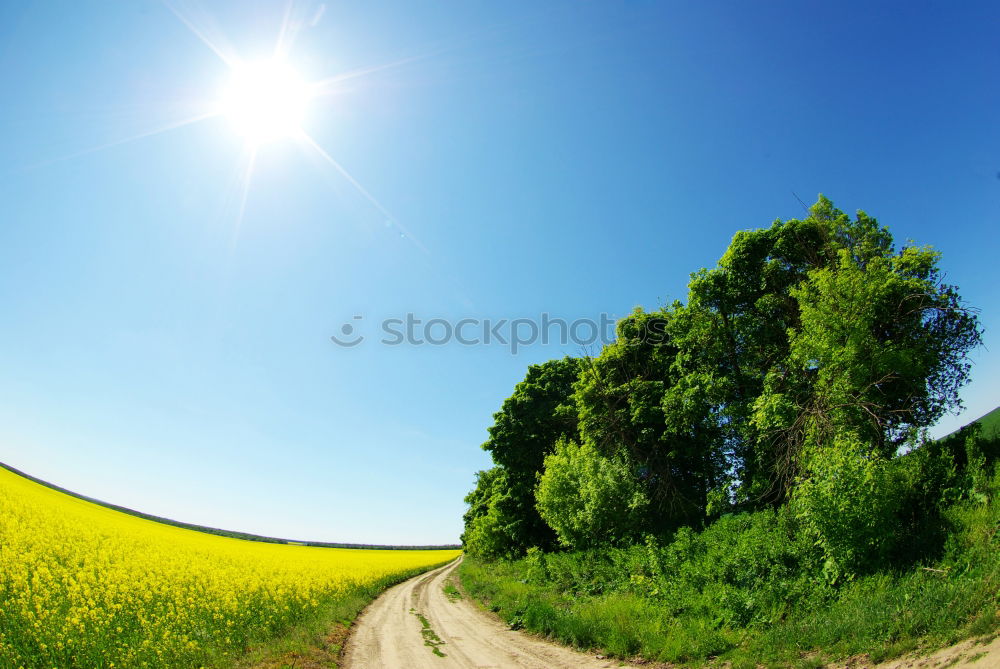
{"points": [[451, 591], [318, 643], [744, 592]]}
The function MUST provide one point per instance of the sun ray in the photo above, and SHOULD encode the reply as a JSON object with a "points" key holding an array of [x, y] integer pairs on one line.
{"points": [[125, 140], [448, 46], [288, 32], [218, 44], [319, 87], [311, 143], [251, 160], [263, 102]]}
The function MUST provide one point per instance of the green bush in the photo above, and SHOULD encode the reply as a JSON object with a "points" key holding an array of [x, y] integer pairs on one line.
{"points": [[589, 499], [849, 500], [486, 536], [743, 570], [749, 590]]}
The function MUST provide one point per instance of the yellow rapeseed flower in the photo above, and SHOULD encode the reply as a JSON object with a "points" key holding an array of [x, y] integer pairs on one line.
{"points": [[82, 585]]}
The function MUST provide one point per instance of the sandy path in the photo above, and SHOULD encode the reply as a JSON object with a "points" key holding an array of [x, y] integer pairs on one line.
{"points": [[974, 653], [390, 635]]}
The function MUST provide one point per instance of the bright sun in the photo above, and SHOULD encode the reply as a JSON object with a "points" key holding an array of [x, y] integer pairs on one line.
{"points": [[266, 101]]}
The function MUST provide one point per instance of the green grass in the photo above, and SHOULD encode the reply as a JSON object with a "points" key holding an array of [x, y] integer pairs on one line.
{"points": [[451, 591], [431, 639], [749, 591], [319, 640]]}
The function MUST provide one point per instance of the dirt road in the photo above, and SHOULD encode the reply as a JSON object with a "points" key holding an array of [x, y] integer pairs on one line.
{"points": [[983, 653], [415, 625]]}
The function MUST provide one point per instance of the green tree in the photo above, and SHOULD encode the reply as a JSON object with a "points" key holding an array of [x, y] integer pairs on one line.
{"points": [[504, 520], [881, 351], [808, 356], [631, 410], [814, 325], [492, 522], [589, 499]]}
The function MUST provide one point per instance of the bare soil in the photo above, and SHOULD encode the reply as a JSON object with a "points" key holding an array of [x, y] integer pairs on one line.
{"points": [[419, 625], [983, 653], [416, 625]]}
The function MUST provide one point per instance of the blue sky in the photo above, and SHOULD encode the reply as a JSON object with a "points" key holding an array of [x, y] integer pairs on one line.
{"points": [[162, 350]]}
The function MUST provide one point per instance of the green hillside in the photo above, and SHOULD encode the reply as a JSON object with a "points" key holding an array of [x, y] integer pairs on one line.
{"points": [[990, 425]]}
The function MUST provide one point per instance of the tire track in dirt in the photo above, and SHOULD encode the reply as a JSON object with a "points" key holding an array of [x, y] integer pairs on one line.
{"points": [[390, 635]]}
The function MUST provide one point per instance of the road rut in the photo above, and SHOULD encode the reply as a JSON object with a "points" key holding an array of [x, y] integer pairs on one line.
{"points": [[404, 627]]}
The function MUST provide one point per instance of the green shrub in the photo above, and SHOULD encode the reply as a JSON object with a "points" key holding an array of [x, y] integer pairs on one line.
{"points": [[750, 590], [743, 570], [849, 500], [589, 499], [486, 536]]}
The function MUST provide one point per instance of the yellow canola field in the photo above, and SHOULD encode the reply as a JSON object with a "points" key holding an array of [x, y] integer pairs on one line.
{"points": [[86, 586]]}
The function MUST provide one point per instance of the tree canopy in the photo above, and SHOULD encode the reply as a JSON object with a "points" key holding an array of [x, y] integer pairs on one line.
{"points": [[809, 336], [525, 430]]}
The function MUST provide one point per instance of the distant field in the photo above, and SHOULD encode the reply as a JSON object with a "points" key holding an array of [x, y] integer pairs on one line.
{"points": [[82, 585], [221, 532]]}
